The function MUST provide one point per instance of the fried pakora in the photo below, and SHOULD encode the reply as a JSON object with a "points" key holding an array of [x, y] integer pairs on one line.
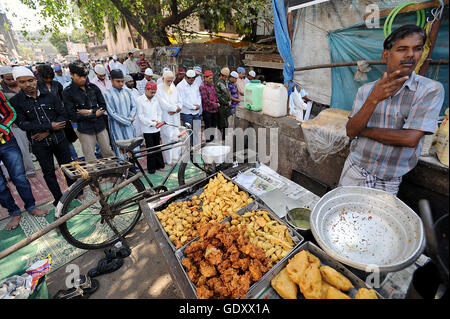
{"points": [[333, 293], [364, 293], [311, 282], [224, 262], [297, 266], [335, 278], [284, 286]]}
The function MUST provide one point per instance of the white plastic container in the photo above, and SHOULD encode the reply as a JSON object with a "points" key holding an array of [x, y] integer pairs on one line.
{"points": [[275, 98], [215, 154]]}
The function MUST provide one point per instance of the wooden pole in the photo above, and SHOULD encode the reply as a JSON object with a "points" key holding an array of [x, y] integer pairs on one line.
{"points": [[342, 64], [63, 219], [433, 36]]}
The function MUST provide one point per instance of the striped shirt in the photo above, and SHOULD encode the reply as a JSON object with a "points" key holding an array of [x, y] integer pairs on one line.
{"points": [[7, 117], [415, 106]]}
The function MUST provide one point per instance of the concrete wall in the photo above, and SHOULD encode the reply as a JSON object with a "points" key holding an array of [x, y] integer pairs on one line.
{"points": [[429, 180]]}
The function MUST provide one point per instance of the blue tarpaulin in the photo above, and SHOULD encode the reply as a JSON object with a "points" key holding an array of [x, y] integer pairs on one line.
{"points": [[361, 43], [283, 41]]}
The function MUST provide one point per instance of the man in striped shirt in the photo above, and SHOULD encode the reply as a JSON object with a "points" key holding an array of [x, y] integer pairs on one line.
{"points": [[391, 116], [11, 156]]}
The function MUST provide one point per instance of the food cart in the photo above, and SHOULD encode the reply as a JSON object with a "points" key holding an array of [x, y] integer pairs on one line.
{"points": [[267, 189]]}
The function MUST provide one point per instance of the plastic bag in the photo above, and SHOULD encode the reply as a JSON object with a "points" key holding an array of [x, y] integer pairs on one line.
{"points": [[442, 141], [326, 134], [361, 71], [16, 287], [38, 270]]}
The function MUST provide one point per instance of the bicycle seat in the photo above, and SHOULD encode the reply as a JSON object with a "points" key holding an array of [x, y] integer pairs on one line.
{"points": [[129, 145]]}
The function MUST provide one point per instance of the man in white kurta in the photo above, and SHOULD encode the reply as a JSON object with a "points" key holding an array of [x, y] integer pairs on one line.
{"points": [[191, 102], [121, 107], [149, 116], [170, 104]]}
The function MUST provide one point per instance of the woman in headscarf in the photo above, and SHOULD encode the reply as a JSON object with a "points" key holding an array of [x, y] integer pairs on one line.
{"points": [[170, 104]]}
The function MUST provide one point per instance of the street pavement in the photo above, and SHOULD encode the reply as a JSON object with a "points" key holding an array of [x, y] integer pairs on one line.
{"points": [[144, 274]]}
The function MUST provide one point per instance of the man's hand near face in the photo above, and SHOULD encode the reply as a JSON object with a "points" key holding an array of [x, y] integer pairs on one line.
{"points": [[387, 86]]}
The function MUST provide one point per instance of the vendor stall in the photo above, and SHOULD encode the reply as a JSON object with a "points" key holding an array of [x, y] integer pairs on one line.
{"points": [[255, 199]]}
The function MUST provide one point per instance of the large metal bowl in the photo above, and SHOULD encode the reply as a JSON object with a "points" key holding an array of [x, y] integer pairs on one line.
{"points": [[366, 228]]}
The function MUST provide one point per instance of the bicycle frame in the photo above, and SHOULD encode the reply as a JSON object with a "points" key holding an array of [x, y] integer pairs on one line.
{"points": [[133, 156]]}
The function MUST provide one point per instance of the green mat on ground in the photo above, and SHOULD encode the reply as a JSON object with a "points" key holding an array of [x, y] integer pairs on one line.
{"points": [[52, 243]]}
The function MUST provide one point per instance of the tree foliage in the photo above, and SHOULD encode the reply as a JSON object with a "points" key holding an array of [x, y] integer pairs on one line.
{"points": [[59, 39], [154, 20]]}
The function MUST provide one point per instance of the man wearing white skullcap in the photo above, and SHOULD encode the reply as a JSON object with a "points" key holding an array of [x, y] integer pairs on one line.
{"points": [[170, 104], [11, 157], [148, 77], [100, 79], [160, 80], [9, 88], [191, 102], [43, 117], [113, 63], [250, 76]]}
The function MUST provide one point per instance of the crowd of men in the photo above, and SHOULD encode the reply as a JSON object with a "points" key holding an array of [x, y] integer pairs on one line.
{"points": [[45, 109]]}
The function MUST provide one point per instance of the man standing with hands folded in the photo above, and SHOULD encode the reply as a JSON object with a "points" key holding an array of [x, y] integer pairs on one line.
{"points": [[391, 116], [43, 117], [86, 106]]}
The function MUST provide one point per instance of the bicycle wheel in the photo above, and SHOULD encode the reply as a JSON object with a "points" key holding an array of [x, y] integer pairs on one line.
{"points": [[194, 166], [89, 229]]}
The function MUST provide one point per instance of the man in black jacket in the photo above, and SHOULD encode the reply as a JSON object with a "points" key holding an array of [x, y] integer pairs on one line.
{"points": [[86, 106], [43, 117]]}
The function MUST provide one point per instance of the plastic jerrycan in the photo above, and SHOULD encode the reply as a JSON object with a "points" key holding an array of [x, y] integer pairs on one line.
{"points": [[253, 95], [275, 97]]}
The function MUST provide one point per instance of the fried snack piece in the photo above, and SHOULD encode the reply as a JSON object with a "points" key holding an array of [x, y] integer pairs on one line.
{"points": [[364, 293], [325, 286], [204, 293], [333, 293], [284, 286], [297, 266], [311, 282], [206, 269], [335, 278]]}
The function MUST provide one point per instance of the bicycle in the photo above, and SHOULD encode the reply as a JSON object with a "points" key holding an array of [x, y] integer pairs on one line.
{"points": [[119, 190]]}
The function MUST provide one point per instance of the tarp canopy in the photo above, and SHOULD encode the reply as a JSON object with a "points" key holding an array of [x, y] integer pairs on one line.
{"points": [[334, 32]]}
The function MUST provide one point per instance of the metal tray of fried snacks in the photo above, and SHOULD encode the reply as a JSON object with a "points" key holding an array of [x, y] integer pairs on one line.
{"points": [[180, 255], [187, 195], [264, 290], [297, 238]]}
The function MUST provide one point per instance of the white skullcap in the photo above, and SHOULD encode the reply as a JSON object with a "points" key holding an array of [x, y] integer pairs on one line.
{"points": [[191, 74], [5, 70], [100, 69], [234, 74], [19, 71], [148, 72], [252, 73], [114, 57], [128, 78], [168, 74]]}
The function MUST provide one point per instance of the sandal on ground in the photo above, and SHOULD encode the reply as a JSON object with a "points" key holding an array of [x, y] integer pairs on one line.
{"points": [[113, 252], [86, 288], [105, 267]]}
